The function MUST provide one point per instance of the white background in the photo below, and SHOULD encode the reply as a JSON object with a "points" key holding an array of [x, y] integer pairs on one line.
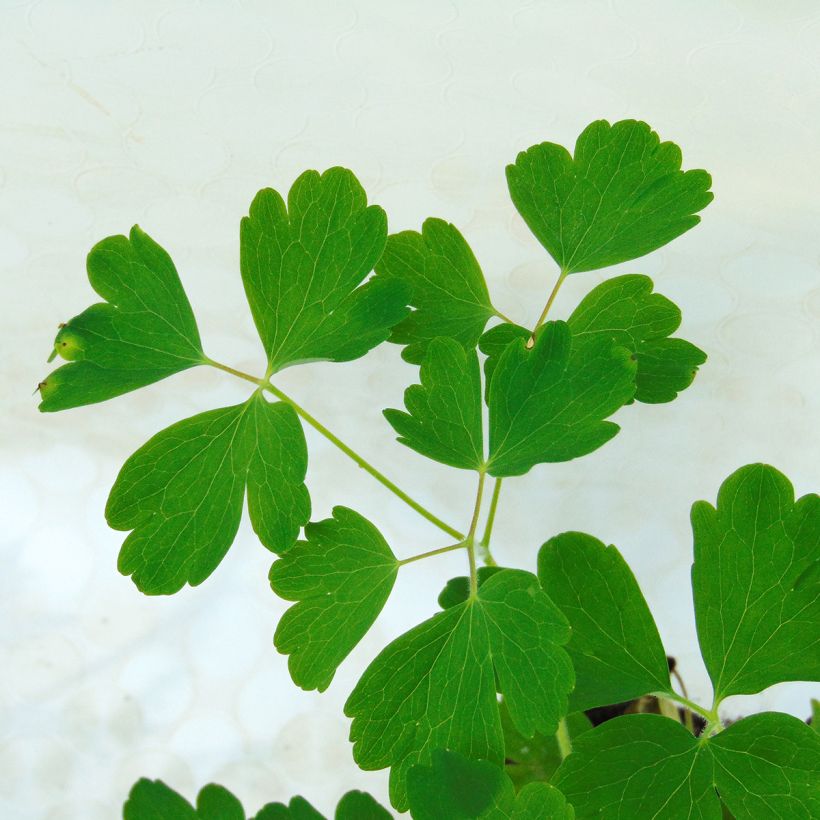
{"points": [[172, 115]]}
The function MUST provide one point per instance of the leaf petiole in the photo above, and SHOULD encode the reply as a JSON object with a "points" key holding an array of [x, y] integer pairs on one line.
{"points": [[430, 553], [711, 717], [484, 544], [348, 451], [469, 541], [553, 293]]}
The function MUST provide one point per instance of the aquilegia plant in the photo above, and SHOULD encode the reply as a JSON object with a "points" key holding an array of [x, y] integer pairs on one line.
{"points": [[512, 666]]}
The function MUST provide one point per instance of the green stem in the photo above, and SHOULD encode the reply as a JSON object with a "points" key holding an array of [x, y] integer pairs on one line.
{"points": [[431, 553], [348, 451], [709, 716], [484, 544], [503, 317], [469, 541], [542, 318], [563, 738]]}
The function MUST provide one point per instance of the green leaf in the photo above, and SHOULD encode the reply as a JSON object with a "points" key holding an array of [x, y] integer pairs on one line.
{"points": [[455, 788], [768, 765], [435, 686], [444, 419], [143, 332], [341, 577], [615, 646], [639, 767], [302, 265], [448, 290], [457, 590], [815, 715], [297, 809], [361, 806], [548, 403], [493, 343], [181, 493], [648, 766], [756, 582], [621, 196], [627, 311], [535, 759], [153, 800], [217, 803]]}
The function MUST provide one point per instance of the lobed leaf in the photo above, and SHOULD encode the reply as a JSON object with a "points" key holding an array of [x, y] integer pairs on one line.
{"points": [[153, 800], [549, 403], [182, 492], [453, 787], [143, 332], [449, 294], [435, 686], [625, 310], [621, 195], [756, 582], [648, 766], [614, 646], [302, 264], [444, 420], [341, 577]]}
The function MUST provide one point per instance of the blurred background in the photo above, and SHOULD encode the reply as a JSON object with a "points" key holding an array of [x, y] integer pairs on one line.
{"points": [[172, 115]]}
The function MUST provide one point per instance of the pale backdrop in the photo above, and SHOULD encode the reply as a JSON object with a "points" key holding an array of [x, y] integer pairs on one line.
{"points": [[172, 114]]}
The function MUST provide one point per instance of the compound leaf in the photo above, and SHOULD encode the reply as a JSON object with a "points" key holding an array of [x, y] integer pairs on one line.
{"points": [[449, 294], [648, 766], [626, 310], [615, 647], [143, 332], [768, 765], [641, 767], [181, 493], [455, 788], [302, 265], [756, 582], [444, 419], [548, 403], [435, 686], [622, 195], [341, 577]]}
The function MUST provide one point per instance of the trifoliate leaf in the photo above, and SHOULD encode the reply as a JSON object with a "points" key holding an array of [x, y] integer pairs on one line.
{"points": [[302, 265], [449, 294], [143, 332], [615, 647], [648, 766], [341, 577], [181, 493], [756, 582], [622, 195], [768, 765], [639, 767], [435, 686], [548, 403], [444, 419], [535, 759], [627, 311], [456, 788]]}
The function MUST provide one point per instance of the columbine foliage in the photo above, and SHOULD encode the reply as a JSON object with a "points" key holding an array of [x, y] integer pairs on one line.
{"points": [[506, 669]]}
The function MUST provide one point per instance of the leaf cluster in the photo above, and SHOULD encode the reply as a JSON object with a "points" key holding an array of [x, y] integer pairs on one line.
{"points": [[505, 671]]}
